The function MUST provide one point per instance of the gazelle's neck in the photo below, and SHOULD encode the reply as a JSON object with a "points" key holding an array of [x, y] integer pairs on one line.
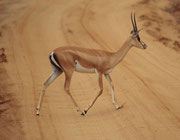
{"points": [[121, 53]]}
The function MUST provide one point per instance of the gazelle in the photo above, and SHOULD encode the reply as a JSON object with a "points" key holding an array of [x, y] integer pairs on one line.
{"points": [[69, 59]]}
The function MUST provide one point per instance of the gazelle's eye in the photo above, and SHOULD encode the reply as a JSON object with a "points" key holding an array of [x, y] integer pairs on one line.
{"points": [[138, 38]]}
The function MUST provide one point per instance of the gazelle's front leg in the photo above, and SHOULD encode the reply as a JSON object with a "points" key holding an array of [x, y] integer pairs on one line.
{"points": [[99, 93], [112, 89]]}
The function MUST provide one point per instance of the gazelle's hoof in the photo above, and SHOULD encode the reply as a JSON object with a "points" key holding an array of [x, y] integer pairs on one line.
{"points": [[117, 107], [79, 110], [38, 112], [84, 113]]}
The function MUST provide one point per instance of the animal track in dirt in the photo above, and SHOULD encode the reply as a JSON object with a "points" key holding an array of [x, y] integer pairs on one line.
{"points": [[177, 45], [174, 9], [164, 40], [2, 55]]}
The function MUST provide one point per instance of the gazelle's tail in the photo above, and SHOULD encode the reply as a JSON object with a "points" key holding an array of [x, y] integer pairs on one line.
{"points": [[54, 61]]}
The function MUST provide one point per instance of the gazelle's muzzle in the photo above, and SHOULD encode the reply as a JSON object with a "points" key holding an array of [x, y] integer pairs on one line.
{"points": [[144, 46]]}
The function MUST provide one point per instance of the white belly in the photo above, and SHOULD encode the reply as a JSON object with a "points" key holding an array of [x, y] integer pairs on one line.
{"points": [[82, 69]]}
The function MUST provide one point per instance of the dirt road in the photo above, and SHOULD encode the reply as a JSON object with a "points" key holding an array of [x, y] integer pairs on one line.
{"points": [[147, 81]]}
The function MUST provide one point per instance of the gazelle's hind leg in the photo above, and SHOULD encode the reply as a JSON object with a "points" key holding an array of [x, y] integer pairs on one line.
{"points": [[68, 75], [55, 73]]}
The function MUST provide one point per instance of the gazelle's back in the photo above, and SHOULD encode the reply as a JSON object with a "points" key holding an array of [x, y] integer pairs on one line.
{"points": [[89, 58]]}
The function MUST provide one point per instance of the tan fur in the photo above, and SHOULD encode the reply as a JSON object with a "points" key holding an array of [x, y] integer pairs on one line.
{"points": [[101, 60], [89, 60]]}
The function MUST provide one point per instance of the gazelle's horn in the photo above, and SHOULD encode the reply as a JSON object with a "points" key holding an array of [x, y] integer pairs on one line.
{"points": [[139, 30], [132, 22], [135, 23]]}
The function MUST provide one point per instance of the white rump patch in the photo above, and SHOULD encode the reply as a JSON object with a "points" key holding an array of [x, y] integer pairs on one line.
{"points": [[55, 61], [82, 69]]}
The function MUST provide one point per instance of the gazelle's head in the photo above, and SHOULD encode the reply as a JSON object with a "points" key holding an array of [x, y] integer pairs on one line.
{"points": [[135, 39]]}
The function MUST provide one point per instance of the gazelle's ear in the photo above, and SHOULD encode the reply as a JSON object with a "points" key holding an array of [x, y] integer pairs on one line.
{"points": [[133, 34], [139, 30]]}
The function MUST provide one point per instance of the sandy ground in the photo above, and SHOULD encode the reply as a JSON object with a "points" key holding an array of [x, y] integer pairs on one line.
{"points": [[147, 81]]}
